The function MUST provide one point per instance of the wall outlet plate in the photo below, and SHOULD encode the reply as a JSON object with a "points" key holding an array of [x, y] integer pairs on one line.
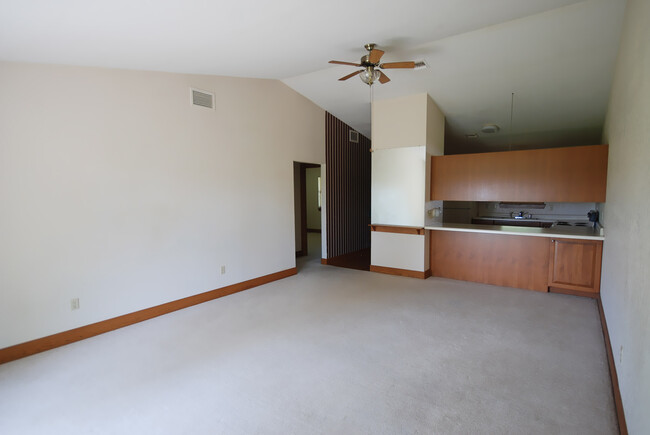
{"points": [[74, 303]]}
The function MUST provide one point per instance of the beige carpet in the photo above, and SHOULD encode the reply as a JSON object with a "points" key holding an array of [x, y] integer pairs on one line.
{"points": [[333, 351]]}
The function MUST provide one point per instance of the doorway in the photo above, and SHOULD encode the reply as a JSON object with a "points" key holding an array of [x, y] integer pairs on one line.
{"points": [[308, 206]]}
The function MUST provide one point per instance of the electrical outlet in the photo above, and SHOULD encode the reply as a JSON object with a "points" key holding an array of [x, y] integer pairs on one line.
{"points": [[223, 270], [74, 304]]}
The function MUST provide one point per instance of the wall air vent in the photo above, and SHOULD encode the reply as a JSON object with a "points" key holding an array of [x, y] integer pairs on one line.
{"points": [[202, 98], [354, 136]]}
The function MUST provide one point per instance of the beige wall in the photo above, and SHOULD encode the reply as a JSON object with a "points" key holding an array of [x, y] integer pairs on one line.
{"points": [[115, 190], [400, 122], [625, 288], [435, 129]]}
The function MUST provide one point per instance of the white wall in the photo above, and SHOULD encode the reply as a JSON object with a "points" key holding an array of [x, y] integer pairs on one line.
{"points": [[116, 190], [435, 135], [625, 287], [406, 132], [398, 186], [399, 251]]}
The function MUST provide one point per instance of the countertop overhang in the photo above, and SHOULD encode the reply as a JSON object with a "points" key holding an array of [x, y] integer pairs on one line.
{"points": [[586, 233]]}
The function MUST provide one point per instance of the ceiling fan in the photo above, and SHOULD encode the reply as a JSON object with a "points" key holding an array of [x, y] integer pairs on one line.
{"points": [[371, 71]]}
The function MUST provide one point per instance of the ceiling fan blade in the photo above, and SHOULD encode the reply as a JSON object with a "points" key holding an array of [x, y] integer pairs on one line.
{"points": [[338, 62], [375, 55], [351, 75], [383, 78], [397, 65]]}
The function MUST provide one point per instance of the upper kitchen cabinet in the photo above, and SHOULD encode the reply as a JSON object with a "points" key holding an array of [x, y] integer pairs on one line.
{"points": [[574, 174]]}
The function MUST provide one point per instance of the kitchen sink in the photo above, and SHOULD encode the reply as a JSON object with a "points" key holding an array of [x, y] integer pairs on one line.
{"points": [[532, 222]]}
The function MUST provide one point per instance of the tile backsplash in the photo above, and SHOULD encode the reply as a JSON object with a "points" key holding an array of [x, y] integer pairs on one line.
{"points": [[552, 210]]}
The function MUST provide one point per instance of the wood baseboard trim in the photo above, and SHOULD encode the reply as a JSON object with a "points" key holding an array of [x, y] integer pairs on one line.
{"points": [[323, 261], [401, 272], [565, 291], [618, 401], [38, 345]]}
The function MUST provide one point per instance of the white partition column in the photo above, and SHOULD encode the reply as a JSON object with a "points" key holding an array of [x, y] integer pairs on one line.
{"points": [[406, 132]]}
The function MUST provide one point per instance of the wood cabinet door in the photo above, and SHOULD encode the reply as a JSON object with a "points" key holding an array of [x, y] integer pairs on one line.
{"points": [[575, 264], [573, 174]]}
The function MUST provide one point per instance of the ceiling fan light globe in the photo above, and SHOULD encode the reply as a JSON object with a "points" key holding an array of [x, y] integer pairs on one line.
{"points": [[369, 76]]}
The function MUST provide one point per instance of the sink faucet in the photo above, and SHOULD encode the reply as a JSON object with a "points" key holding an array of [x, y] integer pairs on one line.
{"points": [[521, 215]]}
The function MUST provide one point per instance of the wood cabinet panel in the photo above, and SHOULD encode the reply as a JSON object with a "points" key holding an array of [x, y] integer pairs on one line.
{"points": [[575, 264], [574, 174], [511, 261]]}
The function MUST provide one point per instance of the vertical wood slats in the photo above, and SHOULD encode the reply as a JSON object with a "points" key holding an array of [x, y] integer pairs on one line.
{"points": [[347, 189]]}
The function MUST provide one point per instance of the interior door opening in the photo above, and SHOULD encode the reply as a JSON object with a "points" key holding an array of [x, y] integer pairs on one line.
{"points": [[308, 205]]}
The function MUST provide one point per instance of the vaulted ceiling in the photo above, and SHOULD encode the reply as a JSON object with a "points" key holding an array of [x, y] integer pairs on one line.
{"points": [[555, 56]]}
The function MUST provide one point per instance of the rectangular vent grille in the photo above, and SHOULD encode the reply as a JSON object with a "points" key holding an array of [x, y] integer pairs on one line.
{"points": [[354, 136], [202, 98]]}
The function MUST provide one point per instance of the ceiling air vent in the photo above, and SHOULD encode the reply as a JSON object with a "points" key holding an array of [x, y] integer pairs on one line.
{"points": [[202, 98], [354, 136]]}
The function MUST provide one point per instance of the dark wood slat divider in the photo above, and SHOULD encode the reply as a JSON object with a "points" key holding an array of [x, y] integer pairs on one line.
{"points": [[347, 189]]}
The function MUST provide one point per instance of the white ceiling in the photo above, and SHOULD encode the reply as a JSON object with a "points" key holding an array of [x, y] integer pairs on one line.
{"points": [[557, 56]]}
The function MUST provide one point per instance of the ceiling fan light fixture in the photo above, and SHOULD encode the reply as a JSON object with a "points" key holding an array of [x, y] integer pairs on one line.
{"points": [[372, 66], [369, 76]]}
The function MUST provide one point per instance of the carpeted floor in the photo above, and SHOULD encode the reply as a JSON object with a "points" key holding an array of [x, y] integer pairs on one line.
{"points": [[332, 351]]}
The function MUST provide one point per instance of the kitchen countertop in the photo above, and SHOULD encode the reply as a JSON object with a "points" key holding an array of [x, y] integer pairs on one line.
{"points": [[586, 233]]}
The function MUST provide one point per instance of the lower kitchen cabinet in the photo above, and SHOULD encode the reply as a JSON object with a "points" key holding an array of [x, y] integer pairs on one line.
{"points": [[498, 259], [575, 265]]}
